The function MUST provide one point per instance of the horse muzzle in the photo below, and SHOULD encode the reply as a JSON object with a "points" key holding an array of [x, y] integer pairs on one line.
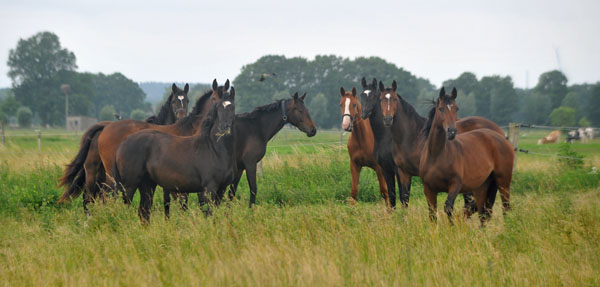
{"points": [[388, 121], [451, 133], [312, 132]]}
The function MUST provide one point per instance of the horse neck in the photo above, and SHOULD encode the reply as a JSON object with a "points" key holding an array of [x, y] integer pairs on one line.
{"points": [[407, 126], [270, 122], [436, 141], [376, 121]]}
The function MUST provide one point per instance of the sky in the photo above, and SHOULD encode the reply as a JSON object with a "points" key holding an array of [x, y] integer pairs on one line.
{"points": [[198, 41]]}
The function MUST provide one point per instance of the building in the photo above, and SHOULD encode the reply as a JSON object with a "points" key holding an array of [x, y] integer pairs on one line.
{"points": [[80, 123]]}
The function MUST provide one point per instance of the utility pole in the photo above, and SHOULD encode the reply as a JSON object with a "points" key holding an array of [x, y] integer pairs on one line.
{"points": [[65, 88]]}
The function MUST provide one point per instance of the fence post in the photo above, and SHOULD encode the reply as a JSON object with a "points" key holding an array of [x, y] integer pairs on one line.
{"points": [[39, 138], [513, 137], [3, 136], [259, 168]]}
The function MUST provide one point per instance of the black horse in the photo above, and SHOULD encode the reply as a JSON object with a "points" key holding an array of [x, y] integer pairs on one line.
{"points": [[203, 163], [383, 148], [253, 131]]}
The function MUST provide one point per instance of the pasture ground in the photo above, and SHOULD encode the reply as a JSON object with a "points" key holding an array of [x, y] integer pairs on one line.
{"points": [[303, 232]]}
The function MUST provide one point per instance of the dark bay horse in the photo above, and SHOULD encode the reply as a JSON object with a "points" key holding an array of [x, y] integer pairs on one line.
{"points": [[203, 163], [253, 131], [478, 161], [408, 140], [86, 172], [360, 142], [113, 135], [382, 137]]}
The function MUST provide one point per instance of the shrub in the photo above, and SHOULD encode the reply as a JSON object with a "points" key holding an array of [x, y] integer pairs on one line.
{"points": [[137, 115], [107, 113], [24, 117], [569, 158]]}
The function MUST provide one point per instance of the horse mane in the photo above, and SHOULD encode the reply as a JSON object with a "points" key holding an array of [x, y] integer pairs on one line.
{"points": [[201, 101], [163, 114], [410, 110], [209, 121], [266, 108]]}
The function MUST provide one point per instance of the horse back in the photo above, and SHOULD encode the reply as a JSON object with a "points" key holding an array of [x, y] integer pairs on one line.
{"points": [[475, 122]]}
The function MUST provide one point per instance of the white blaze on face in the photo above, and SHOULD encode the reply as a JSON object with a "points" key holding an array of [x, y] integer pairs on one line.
{"points": [[346, 120], [367, 92], [226, 103], [181, 99], [388, 96], [448, 107]]}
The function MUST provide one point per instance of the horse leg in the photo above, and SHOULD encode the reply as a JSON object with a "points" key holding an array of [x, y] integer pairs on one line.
{"points": [[146, 197], [492, 190], [234, 184], [453, 191], [431, 201], [166, 202], [382, 185], [251, 177], [355, 171], [469, 207], [389, 176], [404, 181], [480, 198]]}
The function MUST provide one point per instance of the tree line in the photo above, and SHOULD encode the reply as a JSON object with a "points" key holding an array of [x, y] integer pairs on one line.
{"points": [[39, 66]]}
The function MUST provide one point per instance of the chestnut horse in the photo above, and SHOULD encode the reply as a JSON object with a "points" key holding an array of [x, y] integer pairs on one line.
{"points": [[86, 171], [360, 142], [202, 163], [478, 161], [408, 141]]}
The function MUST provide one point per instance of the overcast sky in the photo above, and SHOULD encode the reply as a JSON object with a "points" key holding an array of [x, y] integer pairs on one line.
{"points": [[196, 42]]}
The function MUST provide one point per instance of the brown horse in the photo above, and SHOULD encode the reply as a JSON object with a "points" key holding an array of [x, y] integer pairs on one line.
{"points": [[203, 163], [408, 141], [86, 171], [479, 161], [113, 135], [360, 142]]}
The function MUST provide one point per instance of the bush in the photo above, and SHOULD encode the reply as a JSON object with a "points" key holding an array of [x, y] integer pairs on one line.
{"points": [[137, 115], [569, 158], [583, 122], [24, 117], [3, 118], [107, 113], [563, 116]]}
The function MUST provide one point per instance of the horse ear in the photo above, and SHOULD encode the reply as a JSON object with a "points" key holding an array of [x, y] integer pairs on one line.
{"points": [[354, 92], [174, 88], [363, 82], [295, 96], [186, 89], [215, 85], [394, 85], [442, 92], [226, 86], [374, 82], [342, 91], [303, 96], [454, 93], [381, 87]]}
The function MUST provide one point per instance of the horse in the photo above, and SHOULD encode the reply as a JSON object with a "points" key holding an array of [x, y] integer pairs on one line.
{"points": [[479, 161], [202, 163], [382, 139], [253, 131], [360, 142], [408, 141], [85, 172]]}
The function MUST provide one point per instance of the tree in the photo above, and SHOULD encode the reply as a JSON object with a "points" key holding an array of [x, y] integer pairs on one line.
{"points": [[503, 98], [563, 116], [594, 105], [39, 57], [3, 118], [24, 117], [536, 109], [318, 111], [9, 106], [107, 113], [138, 115], [552, 84], [571, 100], [119, 91], [583, 122], [466, 104]]}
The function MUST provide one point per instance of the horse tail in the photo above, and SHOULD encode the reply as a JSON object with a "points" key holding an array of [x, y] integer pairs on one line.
{"points": [[74, 174], [491, 193], [118, 186]]}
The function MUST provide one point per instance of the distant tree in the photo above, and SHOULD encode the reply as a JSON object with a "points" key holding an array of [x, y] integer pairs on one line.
{"points": [[138, 115], [24, 117], [563, 116], [466, 83], [594, 105], [571, 100], [9, 106], [319, 111], [79, 105], [583, 122], [118, 91], [3, 118], [107, 113], [503, 98], [552, 84], [466, 102], [536, 109]]}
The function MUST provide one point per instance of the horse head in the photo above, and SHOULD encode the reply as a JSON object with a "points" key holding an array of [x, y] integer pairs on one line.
{"points": [[388, 99], [296, 113], [350, 108], [446, 111], [368, 97]]}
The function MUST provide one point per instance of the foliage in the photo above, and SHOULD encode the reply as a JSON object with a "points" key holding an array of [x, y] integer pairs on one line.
{"points": [[569, 158], [503, 98], [594, 105], [107, 113], [3, 117], [583, 122], [24, 117], [9, 106], [137, 115], [563, 117], [552, 85], [466, 102], [319, 109], [117, 90]]}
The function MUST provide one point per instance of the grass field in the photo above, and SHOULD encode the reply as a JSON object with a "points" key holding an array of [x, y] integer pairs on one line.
{"points": [[302, 232]]}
